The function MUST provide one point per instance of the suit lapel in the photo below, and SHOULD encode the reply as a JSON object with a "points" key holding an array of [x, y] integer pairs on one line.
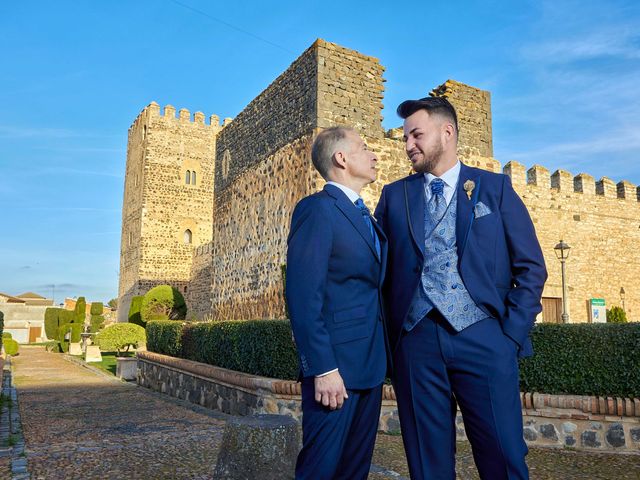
{"points": [[353, 215], [415, 205], [464, 212], [383, 248]]}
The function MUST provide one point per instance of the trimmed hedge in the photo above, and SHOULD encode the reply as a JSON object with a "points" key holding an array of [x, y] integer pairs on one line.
{"points": [[258, 347], [96, 308], [120, 336], [7, 335], [1, 322], [75, 328], [11, 347], [134, 311], [165, 336], [51, 323], [163, 302], [584, 359], [80, 310]]}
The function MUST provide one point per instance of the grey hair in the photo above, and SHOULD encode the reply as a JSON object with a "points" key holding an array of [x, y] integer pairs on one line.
{"points": [[325, 146]]}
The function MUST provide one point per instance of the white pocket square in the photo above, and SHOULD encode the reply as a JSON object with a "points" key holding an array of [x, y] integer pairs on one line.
{"points": [[480, 210]]}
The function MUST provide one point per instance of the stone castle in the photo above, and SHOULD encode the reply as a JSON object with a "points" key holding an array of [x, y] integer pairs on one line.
{"points": [[207, 206]]}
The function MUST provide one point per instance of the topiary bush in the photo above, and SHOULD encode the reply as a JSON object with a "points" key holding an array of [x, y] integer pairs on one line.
{"points": [[51, 322], [11, 347], [584, 359], [80, 311], [67, 316], [134, 311], [163, 302], [1, 322], [616, 315], [120, 336], [6, 335], [165, 336], [96, 308], [97, 322], [74, 330]]}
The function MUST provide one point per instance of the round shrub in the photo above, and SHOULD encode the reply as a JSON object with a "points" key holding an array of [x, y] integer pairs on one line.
{"points": [[121, 336], [10, 346], [163, 302], [6, 335], [616, 315]]}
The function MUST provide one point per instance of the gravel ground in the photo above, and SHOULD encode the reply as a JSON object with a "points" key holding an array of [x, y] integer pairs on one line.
{"points": [[83, 424]]}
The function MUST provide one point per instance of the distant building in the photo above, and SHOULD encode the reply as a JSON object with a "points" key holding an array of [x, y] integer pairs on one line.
{"points": [[24, 316]]}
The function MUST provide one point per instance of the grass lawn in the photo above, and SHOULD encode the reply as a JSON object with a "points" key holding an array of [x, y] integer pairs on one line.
{"points": [[108, 363]]}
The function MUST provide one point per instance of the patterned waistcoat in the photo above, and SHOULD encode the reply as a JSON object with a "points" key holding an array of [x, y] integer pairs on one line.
{"points": [[441, 286]]}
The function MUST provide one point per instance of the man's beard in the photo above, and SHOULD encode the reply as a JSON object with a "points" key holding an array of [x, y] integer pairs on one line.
{"points": [[429, 160]]}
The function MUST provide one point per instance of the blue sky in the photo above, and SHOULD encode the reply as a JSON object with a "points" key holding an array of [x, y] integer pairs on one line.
{"points": [[564, 78]]}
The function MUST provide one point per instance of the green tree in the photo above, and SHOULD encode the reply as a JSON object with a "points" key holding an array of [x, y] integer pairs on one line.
{"points": [[113, 303], [121, 336]]}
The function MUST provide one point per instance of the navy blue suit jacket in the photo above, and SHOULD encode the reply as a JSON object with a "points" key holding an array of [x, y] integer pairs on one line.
{"points": [[499, 257], [334, 280]]}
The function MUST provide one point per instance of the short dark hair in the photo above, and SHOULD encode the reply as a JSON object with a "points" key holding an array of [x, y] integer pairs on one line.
{"points": [[433, 106], [325, 146]]}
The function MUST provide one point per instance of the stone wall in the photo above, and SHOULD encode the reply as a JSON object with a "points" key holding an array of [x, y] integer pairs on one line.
{"points": [[198, 296], [590, 423], [600, 224], [159, 205]]}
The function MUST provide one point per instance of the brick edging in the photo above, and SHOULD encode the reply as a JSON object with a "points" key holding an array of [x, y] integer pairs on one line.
{"points": [[588, 405]]}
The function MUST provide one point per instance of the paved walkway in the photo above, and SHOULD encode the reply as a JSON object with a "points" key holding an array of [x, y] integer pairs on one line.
{"points": [[78, 424]]}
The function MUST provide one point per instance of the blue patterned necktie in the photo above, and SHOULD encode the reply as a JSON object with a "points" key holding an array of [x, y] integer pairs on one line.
{"points": [[366, 215], [437, 205]]}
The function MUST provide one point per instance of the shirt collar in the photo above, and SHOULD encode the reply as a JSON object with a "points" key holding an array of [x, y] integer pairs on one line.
{"points": [[353, 196], [450, 177]]}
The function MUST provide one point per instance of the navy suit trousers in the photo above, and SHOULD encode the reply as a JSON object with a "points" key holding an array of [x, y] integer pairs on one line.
{"points": [[476, 368], [338, 444]]}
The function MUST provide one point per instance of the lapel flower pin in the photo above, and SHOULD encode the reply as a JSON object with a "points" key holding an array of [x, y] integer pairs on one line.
{"points": [[468, 186]]}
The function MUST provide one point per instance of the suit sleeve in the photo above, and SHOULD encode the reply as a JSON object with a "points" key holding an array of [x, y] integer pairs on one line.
{"points": [[528, 270], [308, 253]]}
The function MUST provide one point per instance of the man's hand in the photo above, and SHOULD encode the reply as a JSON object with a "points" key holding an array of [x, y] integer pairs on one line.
{"points": [[330, 390]]}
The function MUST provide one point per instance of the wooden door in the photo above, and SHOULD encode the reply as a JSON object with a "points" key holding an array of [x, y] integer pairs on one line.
{"points": [[551, 310], [34, 332]]}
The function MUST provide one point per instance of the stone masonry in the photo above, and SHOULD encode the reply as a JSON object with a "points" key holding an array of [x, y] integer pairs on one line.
{"points": [[254, 169]]}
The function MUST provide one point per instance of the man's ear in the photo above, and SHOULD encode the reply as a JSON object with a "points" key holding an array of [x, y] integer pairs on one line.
{"points": [[448, 132], [339, 160]]}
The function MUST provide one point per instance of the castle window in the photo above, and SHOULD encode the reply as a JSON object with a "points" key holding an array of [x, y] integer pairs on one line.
{"points": [[144, 132], [193, 177], [188, 236], [188, 177]]}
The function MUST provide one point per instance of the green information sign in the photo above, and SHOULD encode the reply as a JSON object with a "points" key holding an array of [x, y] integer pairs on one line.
{"points": [[598, 302]]}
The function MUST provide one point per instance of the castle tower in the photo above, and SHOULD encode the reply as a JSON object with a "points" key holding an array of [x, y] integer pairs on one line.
{"points": [[168, 199]]}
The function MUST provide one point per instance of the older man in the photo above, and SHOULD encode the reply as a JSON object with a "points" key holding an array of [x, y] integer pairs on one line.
{"points": [[335, 265]]}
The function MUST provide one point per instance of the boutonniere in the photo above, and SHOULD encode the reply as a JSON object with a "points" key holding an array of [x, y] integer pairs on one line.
{"points": [[468, 186]]}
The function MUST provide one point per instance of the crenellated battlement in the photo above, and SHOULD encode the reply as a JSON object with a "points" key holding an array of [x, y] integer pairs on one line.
{"points": [[565, 182], [153, 110]]}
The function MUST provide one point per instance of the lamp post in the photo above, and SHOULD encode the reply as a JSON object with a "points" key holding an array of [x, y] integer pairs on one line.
{"points": [[562, 252], [622, 294]]}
